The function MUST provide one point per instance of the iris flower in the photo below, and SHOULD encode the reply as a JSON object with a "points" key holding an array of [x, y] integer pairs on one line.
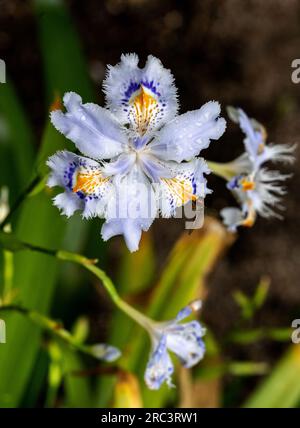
{"points": [[183, 339], [139, 158], [258, 189], [258, 194]]}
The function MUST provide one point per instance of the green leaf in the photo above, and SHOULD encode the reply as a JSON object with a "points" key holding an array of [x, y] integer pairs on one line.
{"points": [[245, 337], [247, 368], [261, 292], [281, 389], [64, 65], [40, 222], [16, 141], [249, 305], [55, 373], [77, 387]]}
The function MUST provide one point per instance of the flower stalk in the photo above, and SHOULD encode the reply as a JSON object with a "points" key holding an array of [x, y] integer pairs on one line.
{"points": [[11, 243], [223, 170]]}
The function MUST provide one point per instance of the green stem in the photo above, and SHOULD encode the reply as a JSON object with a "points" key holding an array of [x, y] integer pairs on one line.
{"points": [[223, 170], [108, 285], [11, 243]]}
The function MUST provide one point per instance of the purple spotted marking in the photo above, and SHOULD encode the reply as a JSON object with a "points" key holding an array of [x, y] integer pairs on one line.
{"points": [[234, 183], [194, 185], [69, 174], [134, 86]]}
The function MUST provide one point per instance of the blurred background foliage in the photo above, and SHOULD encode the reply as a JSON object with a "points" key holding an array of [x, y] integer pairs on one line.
{"points": [[249, 284]]}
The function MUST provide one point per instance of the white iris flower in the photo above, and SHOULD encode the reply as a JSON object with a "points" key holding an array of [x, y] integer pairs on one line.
{"points": [[139, 157], [257, 189]]}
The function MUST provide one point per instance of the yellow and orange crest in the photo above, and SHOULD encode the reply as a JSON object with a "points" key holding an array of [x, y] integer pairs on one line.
{"points": [[88, 182], [144, 109], [181, 190], [247, 184]]}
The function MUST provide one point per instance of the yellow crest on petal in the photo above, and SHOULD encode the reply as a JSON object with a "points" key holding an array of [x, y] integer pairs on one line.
{"points": [[87, 182], [144, 109], [247, 184], [180, 189]]}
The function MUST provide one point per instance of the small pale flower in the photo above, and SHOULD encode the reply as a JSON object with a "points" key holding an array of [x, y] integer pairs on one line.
{"points": [[259, 193], [257, 189], [183, 339], [255, 141], [139, 155]]}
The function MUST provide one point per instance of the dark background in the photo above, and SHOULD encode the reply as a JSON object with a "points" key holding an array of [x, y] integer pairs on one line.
{"points": [[236, 52]]}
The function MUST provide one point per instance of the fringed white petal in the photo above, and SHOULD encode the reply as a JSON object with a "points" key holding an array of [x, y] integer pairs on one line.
{"points": [[232, 217], [186, 185], [68, 203], [255, 136], [255, 141], [284, 153], [185, 340], [145, 98], [160, 367], [268, 192], [261, 194], [188, 134], [85, 186], [131, 210], [93, 129], [130, 229]]}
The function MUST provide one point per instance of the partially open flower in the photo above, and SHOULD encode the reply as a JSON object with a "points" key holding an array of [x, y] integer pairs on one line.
{"points": [[259, 193], [184, 340], [257, 189]]}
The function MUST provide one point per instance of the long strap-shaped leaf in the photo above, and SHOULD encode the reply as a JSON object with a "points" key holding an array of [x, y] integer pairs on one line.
{"points": [[281, 389], [16, 141], [39, 222]]}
